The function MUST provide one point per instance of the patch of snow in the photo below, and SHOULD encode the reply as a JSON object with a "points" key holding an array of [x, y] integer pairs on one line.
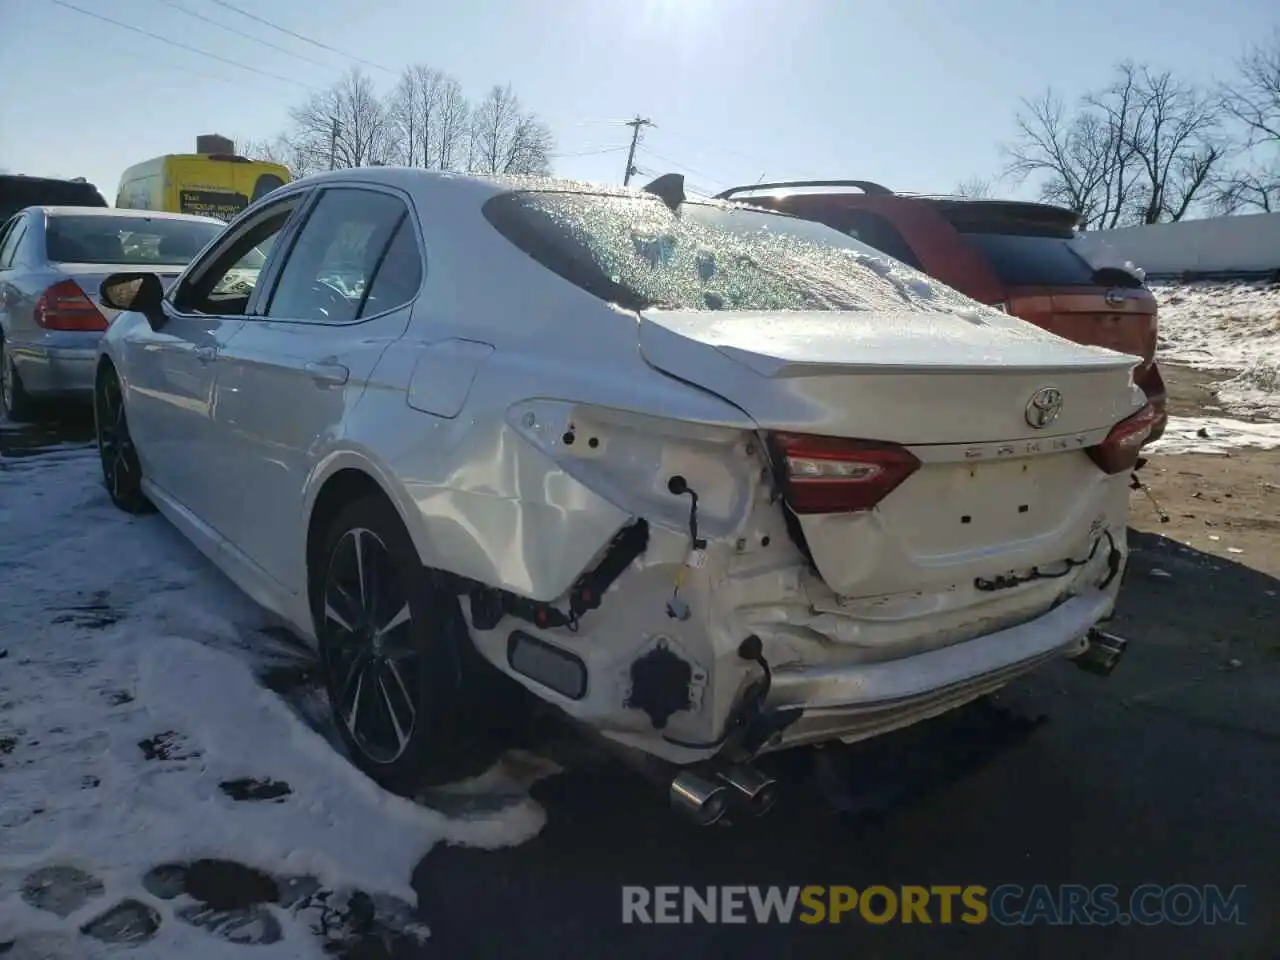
{"points": [[1226, 325], [1214, 435], [119, 640]]}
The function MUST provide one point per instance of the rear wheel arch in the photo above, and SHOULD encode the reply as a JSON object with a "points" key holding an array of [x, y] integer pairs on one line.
{"points": [[347, 480], [344, 486]]}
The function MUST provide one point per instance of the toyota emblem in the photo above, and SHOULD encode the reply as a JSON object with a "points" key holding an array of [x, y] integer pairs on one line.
{"points": [[1116, 297], [1044, 407]]}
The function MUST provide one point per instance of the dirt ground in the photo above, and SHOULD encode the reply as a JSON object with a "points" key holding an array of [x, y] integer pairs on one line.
{"points": [[1211, 533]]}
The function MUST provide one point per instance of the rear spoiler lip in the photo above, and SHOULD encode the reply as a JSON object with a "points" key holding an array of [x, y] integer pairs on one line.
{"points": [[869, 187]]}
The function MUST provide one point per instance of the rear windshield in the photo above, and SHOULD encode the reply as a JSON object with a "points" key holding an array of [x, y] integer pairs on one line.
{"points": [[638, 253], [125, 240], [1033, 261], [16, 193]]}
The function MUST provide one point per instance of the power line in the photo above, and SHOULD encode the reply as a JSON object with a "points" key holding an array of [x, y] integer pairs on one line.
{"points": [[247, 36], [297, 36], [683, 166], [142, 58], [175, 43], [729, 151], [592, 153]]}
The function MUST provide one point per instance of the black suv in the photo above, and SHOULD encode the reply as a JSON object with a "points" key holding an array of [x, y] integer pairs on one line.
{"points": [[18, 192]]}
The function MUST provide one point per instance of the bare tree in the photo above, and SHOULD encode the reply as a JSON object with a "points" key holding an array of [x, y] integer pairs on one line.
{"points": [[1142, 149], [346, 124], [1254, 101], [429, 113], [975, 188], [1177, 141], [280, 149], [505, 138]]}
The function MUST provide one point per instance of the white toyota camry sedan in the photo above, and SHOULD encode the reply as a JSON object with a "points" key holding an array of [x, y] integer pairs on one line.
{"points": [[714, 481]]}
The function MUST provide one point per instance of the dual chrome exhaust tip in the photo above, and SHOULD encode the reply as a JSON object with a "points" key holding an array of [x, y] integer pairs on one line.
{"points": [[1102, 653], [706, 799]]}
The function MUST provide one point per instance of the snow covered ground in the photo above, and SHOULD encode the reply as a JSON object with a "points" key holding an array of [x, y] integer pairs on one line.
{"points": [[1232, 326], [142, 758], [1215, 435]]}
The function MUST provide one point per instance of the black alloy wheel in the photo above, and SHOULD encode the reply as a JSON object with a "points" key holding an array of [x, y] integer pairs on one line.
{"points": [[405, 689], [121, 469]]}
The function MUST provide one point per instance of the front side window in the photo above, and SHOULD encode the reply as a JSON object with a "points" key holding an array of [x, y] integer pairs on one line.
{"points": [[126, 241], [346, 243], [223, 285], [641, 254]]}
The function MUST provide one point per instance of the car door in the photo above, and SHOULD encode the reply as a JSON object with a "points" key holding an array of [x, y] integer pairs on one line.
{"points": [[170, 370], [301, 362]]}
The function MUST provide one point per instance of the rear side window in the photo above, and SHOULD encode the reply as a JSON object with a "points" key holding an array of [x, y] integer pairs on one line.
{"points": [[125, 240], [346, 241], [398, 276], [1032, 261]]}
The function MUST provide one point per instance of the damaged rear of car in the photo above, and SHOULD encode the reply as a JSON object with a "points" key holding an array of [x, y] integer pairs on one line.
{"points": [[840, 497]]}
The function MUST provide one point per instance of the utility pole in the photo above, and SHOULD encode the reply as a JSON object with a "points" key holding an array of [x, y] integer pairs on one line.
{"points": [[333, 142], [636, 125]]}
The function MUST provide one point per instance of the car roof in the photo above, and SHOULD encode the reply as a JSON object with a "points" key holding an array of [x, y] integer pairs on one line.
{"points": [[482, 185], [123, 212]]}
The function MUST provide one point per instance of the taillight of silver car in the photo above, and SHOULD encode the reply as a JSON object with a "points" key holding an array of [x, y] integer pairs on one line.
{"points": [[64, 306], [836, 475], [1119, 451]]}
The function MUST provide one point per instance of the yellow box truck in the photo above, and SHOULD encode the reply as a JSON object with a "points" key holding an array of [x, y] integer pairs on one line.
{"points": [[214, 181]]}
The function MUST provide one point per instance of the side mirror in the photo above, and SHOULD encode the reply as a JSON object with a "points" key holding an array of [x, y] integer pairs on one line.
{"points": [[140, 292]]}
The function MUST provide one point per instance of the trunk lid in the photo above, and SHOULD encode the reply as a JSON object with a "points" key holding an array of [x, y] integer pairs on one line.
{"points": [[909, 378], [993, 493]]}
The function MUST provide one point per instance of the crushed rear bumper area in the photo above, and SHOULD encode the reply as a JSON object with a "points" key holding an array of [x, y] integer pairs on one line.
{"points": [[853, 702]]}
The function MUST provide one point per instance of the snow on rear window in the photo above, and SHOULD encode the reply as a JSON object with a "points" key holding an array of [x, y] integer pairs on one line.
{"points": [[707, 256]]}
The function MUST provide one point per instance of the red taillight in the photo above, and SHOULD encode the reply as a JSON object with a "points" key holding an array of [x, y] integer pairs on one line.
{"points": [[1119, 451], [65, 307], [835, 475]]}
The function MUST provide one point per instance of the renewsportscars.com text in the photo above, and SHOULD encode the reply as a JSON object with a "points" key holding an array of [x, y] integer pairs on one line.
{"points": [[1006, 905]]}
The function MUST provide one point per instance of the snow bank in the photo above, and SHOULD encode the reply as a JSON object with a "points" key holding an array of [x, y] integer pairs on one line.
{"points": [[1215, 435], [1226, 325], [117, 640]]}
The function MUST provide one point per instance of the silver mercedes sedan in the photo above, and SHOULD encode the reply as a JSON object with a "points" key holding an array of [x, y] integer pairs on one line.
{"points": [[52, 261], [715, 481]]}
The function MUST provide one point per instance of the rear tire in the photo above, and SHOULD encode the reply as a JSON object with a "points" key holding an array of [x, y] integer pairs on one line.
{"points": [[395, 653], [15, 402], [121, 469]]}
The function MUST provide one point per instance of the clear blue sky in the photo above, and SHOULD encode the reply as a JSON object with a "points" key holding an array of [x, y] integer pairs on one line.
{"points": [[914, 93]]}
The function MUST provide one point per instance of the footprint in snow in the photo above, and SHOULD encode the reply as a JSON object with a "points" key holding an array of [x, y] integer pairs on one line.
{"points": [[169, 745], [227, 900]]}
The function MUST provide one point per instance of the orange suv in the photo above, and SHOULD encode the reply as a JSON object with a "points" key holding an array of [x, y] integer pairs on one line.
{"points": [[1020, 257]]}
